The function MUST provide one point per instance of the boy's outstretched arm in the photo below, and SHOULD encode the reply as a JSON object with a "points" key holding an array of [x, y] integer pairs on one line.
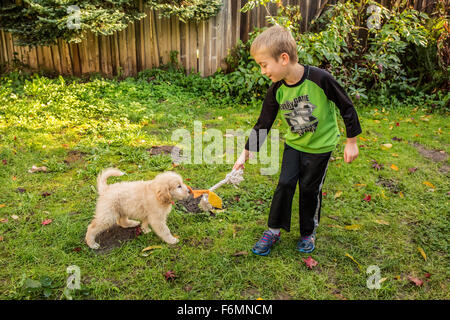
{"points": [[260, 130]]}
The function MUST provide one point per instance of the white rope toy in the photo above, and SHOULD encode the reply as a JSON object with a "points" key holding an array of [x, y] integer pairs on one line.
{"points": [[234, 177]]}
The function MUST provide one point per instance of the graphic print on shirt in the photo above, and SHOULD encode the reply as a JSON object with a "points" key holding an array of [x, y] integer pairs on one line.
{"points": [[300, 119]]}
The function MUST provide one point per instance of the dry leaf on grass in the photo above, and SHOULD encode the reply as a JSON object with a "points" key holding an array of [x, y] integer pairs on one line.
{"points": [[382, 222], [353, 259], [415, 280], [46, 222], [310, 262], [422, 253]]}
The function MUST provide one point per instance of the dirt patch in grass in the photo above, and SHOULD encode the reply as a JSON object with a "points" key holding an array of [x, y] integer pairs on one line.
{"points": [[74, 156], [114, 237], [174, 152], [434, 155], [191, 204], [389, 184]]}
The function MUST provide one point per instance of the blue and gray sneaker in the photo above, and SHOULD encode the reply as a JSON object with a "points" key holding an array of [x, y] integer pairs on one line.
{"points": [[262, 247], [306, 243]]}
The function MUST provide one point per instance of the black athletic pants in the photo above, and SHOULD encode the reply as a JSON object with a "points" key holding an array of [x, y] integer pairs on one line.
{"points": [[309, 170]]}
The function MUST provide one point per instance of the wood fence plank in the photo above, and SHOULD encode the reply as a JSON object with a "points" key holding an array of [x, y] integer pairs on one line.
{"points": [[131, 38], [123, 52], [56, 58], [65, 55], [155, 38], [148, 61]]}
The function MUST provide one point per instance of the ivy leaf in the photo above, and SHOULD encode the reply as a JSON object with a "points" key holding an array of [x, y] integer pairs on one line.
{"points": [[422, 253], [377, 166], [415, 280], [46, 222], [170, 275], [310, 262]]}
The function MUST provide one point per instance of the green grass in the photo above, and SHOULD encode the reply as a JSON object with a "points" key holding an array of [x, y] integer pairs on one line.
{"points": [[112, 123]]}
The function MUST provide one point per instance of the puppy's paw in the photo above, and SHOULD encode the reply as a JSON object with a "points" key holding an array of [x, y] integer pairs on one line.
{"points": [[146, 230], [173, 240], [94, 246], [133, 223]]}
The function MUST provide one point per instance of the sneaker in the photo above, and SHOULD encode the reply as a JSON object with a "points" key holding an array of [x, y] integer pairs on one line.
{"points": [[262, 247], [306, 243]]}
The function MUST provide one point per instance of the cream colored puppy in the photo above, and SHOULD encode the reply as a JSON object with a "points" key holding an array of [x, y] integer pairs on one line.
{"points": [[148, 201]]}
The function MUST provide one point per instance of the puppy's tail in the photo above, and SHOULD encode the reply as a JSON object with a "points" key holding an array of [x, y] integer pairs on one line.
{"points": [[104, 175]]}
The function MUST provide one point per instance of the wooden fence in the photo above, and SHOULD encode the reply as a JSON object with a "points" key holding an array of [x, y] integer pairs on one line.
{"points": [[147, 43]]}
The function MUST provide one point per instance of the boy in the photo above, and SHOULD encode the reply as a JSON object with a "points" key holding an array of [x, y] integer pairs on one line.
{"points": [[306, 96]]}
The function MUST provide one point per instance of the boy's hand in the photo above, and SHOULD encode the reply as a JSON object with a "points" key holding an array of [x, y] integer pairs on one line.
{"points": [[239, 164], [351, 150]]}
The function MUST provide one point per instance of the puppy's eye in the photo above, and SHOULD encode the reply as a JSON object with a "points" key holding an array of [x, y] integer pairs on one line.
{"points": [[179, 186]]}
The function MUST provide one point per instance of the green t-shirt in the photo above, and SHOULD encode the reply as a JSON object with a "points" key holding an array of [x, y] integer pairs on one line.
{"points": [[308, 109]]}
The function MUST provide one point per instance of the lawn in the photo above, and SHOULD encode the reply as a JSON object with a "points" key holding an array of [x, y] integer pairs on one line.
{"points": [[389, 208]]}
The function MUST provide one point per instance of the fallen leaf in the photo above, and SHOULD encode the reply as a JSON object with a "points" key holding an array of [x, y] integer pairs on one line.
{"points": [[429, 184], [15, 217], [412, 170], [170, 275], [353, 227], [394, 167], [77, 249], [422, 253], [310, 262], [46, 222], [337, 194], [151, 248], [382, 280], [367, 198], [21, 190], [401, 195], [353, 259], [427, 275], [416, 281], [240, 253], [2, 205], [46, 194], [360, 185], [386, 146], [382, 222], [377, 166], [4, 220], [5, 162]]}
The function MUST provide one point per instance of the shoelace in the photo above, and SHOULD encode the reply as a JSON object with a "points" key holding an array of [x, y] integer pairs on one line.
{"points": [[266, 237]]}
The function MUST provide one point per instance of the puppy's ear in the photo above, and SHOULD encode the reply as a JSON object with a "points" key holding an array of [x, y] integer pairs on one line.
{"points": [[162, 193]]}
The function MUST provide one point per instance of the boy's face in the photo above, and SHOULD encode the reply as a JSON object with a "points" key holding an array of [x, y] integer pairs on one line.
{"points": [[274, 69]]}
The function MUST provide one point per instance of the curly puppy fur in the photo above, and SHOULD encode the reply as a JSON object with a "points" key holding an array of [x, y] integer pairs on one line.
{"points": [[148, 201]]}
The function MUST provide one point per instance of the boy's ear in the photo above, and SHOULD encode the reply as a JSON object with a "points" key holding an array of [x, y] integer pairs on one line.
{"points": [[285, 59]]}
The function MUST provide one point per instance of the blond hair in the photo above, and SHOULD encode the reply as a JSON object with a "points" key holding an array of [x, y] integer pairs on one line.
{"points": [[276, 40]]}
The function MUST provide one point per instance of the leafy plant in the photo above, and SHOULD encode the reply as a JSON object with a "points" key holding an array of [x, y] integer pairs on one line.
{"points": [[186, 10]]}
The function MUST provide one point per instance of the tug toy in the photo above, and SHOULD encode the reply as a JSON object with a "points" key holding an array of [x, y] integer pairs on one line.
{"points": [[209, 198]]}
